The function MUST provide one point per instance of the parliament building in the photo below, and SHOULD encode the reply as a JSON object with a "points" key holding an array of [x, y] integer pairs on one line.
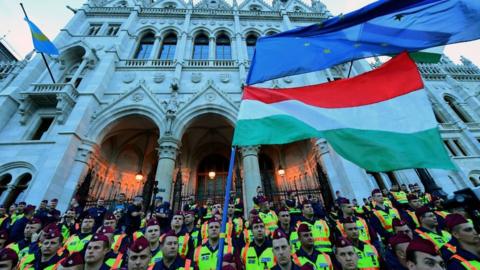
{"points": [[145, 100]]}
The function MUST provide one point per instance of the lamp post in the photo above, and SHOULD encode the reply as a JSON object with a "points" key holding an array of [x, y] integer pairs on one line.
{"points": [[281, 172]]}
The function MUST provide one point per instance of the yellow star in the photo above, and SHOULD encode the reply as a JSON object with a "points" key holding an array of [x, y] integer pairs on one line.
{"points": [[327, 51], [306, 44]]}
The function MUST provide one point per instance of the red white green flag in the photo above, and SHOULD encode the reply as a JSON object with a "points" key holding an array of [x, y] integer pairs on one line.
{"points": [[381, 120]]}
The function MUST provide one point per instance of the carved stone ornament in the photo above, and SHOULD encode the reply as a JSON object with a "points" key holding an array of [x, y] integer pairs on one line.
{"points": [[210, 96], [128, 78], [158, 77], [138, 96], [225, 77], [196, 77]]}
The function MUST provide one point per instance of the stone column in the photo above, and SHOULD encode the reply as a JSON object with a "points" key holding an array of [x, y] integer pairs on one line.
{"points": [[251, 174], [167, 155], [156, 48], [211, 48], [10, 188]]}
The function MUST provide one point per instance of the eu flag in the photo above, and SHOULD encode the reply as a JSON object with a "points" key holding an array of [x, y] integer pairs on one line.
{"points": [[40, 42], [384, 27]]}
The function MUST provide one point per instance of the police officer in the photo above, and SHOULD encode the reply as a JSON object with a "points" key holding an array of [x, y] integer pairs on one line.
{"points": [[382, 215], [258, 254], [171, 260], [18, 227], [422, 255], [347, 211], [408, 213], [48, 258], [368, 256], [22, 247], [139, 255], [98, 213], [401, 226], [189, 222], [120, 239], [282, 252], [74, 261], [429, 229], [152, 234], [205, 255], [396, 258], [268, 216], [319, 228], [95, 253], [307, 254], [467, 254], [286, 226], [8, 259], [345, 255], [68, 225], [398, 197], [53, 215], [185, 242], [77, 242]]}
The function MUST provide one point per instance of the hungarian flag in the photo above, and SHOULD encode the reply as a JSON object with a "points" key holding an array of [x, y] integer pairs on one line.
{"points": [[381, 120]]}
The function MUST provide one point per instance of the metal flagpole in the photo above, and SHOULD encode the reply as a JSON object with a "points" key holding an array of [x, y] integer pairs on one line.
{"points": [[225, 209], [43, 56], [350, 70]]}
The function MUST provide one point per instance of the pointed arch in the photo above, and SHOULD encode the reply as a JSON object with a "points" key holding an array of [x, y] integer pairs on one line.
{"points": [[457, 109]]}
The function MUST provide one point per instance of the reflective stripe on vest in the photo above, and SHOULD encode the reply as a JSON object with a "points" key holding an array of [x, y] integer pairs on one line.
{"points": [[323, 262], [368, 258], [382, 215], [118, 261], [470, 265], [252, 260], [414, 218], [321, 235], [118, 242], [207, 259], [437, 240], [400, 196], [184, 242]]}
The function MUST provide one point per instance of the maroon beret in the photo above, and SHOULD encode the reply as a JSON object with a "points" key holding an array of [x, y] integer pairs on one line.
{"points": [[262, 199], [343, 200], [348, 220], [139, 245], [342, 242], [35, 221], [254, 212], [422, 245], [307, 266], [100, 237], [74, 259], [375, 191], [152, 222], [306, 202], [228, 258], [50, 228], [422, 211], [167, 234], [214, 220], [228, 267], [412, 197], [399, 238], [283, 209], [7, 254], [279, 234], [52, 233], [178, 213], [109, 217], [88, 217], [453, 220], [256, 220], [303, 228], [398, 222], [189, 212], [29, 209], [105, 229]]}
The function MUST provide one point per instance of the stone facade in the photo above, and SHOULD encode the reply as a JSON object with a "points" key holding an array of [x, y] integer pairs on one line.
{"points": [[152, 88]]}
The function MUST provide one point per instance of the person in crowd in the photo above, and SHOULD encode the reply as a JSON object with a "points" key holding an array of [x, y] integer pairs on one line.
{"points": [[206, 255], [347, 211], [345, 256], [307, 254], [398, 196], [75, 205], [42, 211], [382, 216], [18, 227], [22, 247], [423, 255], [3, 238], [120, 204], [68, 224], [401, 226], [258, 253], [396, 257], [282, 252], [139, 255], [4, 218], [8, 259], [191, 205], [76, 242], [191, 229], [319, 227], [466, 254], [98, 213], [286, 226], [171, 259], [368, 256], [163, 215], [268, 216], [48, 257], [95, 253], [134, 215], [74, 261], [185, 242], [408, 212], [53, 214], [425, 198], [18, 213], [152, 234], [429, 229]]}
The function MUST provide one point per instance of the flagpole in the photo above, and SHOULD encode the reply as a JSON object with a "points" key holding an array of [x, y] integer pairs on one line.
{"points": [[350, 70], [225, 209], [43, 56]]}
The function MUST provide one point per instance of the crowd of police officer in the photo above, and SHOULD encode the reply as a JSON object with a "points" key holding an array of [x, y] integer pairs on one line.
{"points": [[403, 228]]}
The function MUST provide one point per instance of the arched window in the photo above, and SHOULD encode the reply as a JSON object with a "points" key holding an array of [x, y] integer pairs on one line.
{"points": [[4, 181], [200, 47], [271, 33], [452, 103], [167, 52], [297, 9], [19, 188], [223, 49], [251, 42], [438, 116], [145, 47]]}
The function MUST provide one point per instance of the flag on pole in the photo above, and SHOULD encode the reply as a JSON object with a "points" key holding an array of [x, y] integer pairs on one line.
{"points": [[381, 120], [40, 42], [385, 27], [428, 56]]}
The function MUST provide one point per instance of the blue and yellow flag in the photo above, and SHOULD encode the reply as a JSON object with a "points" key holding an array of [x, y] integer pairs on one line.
{"points": [[385, 27], [41, 43]]}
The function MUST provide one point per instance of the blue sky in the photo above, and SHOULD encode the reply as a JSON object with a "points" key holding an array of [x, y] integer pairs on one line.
{"points": [[52, 15]]}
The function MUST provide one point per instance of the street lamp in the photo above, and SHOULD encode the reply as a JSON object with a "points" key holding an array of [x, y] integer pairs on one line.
{"points": [[211, 175], [281, 171], [139, 176]]}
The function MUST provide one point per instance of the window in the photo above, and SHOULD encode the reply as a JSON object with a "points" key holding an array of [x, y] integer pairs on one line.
{"points": [[438, 116], [223, 49], [455, 147], [271, 33], [93, 29], [449, 148], [251, 42], [460, 147], [167, 52], [113, 29], [254, 8], [453, 104], [200, 47], [145, 47], [43, 126], [170, 5], [297, 9]]}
